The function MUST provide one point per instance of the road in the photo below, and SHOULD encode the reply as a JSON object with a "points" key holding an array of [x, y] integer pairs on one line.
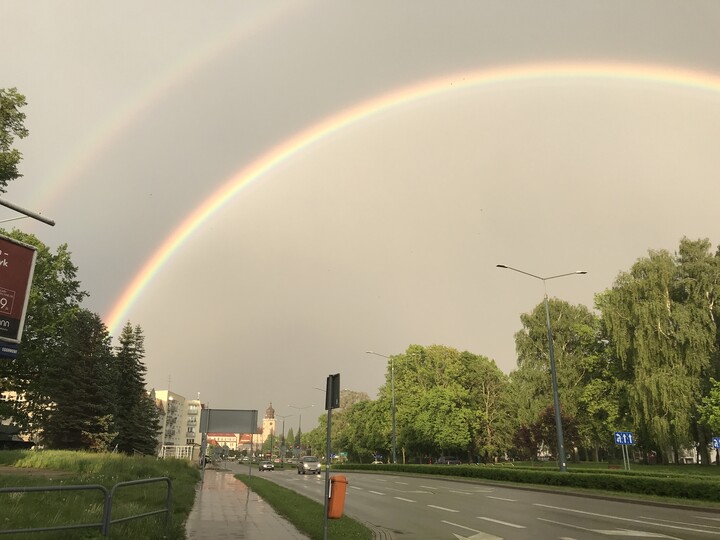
{"points": [[428, 508]]}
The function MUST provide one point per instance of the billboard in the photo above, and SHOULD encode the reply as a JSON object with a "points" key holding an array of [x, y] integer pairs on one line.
{"points": [[17, 263], [228, 421]]}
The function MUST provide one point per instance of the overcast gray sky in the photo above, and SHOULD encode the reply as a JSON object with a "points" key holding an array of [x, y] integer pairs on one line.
{"points": [[386, 231]]}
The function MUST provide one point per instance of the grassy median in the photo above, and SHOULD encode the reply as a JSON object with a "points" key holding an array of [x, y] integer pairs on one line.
{"points": [[306, 514]]}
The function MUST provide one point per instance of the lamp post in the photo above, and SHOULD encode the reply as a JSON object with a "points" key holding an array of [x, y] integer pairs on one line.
{"points": [[300, 417], [392, 393], [553, 373], [284, 442]]}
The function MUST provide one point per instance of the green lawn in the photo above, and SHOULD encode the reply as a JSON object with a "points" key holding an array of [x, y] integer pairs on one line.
{"points": [[58, 468]]}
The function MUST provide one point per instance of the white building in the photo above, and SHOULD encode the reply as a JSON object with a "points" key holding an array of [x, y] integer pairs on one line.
{"points": [[180, 424]]}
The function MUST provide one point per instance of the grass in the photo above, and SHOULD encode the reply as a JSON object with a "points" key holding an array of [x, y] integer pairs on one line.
{"points": [[306, 514], [63, 468]]}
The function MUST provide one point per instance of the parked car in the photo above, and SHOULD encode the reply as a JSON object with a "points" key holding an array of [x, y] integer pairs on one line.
{"points": [[309, 465], [266, 466], [445, 460]]}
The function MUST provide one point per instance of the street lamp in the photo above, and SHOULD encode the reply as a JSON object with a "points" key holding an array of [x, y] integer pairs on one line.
{"points": [[553, 374], [300, 416], [283, 447], [392, 392]]}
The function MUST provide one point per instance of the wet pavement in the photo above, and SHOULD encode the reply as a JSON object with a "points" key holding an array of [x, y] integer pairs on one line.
{"points": [[226, 509]]}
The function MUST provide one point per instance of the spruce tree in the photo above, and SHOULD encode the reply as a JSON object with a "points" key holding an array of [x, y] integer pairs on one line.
{"points": [[81, 394], [137, 418]]}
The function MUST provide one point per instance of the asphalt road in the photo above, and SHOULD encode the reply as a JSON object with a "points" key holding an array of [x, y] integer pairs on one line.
{"points": [[406, 507]]}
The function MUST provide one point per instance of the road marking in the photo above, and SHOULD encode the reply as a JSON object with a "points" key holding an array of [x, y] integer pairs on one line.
{"points": [[461, 492], [442, 508], [502, 522], [713, 519], [501, 499], [479, 535], [403, 483], [612, 532], [619, 518], [428, 487], [406, 500], [355, 487], [680, 522], [376, 492]]}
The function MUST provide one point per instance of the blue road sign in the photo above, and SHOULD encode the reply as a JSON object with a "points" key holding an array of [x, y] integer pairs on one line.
{"points": [[716, 442], [624, 437]]}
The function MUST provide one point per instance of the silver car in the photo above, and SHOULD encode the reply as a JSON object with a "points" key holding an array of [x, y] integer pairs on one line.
{"points": [[309, 465]]}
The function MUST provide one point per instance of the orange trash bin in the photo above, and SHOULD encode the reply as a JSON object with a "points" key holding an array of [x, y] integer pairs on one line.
{"points": [[336, 503]]}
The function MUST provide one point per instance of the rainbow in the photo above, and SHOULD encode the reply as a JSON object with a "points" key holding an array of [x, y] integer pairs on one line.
{"points": [[131, 111], [642, 73]]}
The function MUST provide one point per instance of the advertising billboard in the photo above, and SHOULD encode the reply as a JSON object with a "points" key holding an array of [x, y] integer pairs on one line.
{"points": [[17, 263]]}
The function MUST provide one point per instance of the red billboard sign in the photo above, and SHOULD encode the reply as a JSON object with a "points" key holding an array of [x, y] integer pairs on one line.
{"points": [[17, 263]]}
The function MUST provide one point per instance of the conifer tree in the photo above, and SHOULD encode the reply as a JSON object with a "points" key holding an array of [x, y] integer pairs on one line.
{"points": [[137, 418], [81, 394]]}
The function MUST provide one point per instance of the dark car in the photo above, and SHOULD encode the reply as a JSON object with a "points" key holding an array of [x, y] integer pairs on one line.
{"points": [[266, 466], [445, 460]]}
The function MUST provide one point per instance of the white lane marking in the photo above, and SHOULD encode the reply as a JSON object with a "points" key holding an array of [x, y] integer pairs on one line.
{"points": [[501, 498], [442, 508], [680, 522], [502, 522], [611, 532], [381, 480], [479, 535], [712, 519], [428, 487], [376, 492], [403, 483], [406, 500], [461, 492], [618, 518], [355, 487]]}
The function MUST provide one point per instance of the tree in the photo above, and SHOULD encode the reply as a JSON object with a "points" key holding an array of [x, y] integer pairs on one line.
{"points": [[710, 412], [432, 401], [81, 396], [137, 417], [54, 300], [11, 125], [661, 318], [585, 388], [490, 426]]}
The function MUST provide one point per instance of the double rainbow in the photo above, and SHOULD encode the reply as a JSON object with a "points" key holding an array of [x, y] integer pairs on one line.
{"points": [[606, 71]]}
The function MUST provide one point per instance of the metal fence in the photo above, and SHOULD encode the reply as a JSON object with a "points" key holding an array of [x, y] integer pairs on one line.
{"points": [[108, 495]]}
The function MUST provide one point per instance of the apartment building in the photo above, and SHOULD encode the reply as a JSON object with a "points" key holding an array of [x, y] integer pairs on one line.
{"points": [[179, 423]]}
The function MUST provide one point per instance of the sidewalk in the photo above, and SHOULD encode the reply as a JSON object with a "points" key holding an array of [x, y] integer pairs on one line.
{"points": [[226, 509]]}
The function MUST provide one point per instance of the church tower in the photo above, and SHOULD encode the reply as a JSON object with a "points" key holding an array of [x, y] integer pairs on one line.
{"points": [[268, 423]]}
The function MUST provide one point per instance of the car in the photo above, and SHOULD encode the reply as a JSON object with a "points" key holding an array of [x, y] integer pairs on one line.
{"points": [[445, 460], [309, 465], [266, 466], [377, 462]]}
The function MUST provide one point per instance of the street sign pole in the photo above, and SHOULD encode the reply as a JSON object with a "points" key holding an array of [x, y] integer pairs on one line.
{"points": [[332, 401]]}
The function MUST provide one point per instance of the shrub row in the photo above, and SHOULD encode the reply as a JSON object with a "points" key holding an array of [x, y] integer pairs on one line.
{"points": [[693, 488]]}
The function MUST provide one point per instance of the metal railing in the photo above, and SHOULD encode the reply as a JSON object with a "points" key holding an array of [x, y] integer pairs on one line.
{"points": [[108, 495]]}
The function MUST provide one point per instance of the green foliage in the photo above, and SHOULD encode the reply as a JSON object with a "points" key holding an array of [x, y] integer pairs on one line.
{"points": [[81, 393], [710, 408], [136, 417], [81, 468], [662, 321], [54, 300], [585, 385], [12, 124]]}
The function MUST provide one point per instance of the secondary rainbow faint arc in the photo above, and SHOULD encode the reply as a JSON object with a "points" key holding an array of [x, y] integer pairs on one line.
{"points": [[645, 73]]}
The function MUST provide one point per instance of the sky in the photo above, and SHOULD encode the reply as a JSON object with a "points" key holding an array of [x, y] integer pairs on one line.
{"points": [[270, 189]]}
